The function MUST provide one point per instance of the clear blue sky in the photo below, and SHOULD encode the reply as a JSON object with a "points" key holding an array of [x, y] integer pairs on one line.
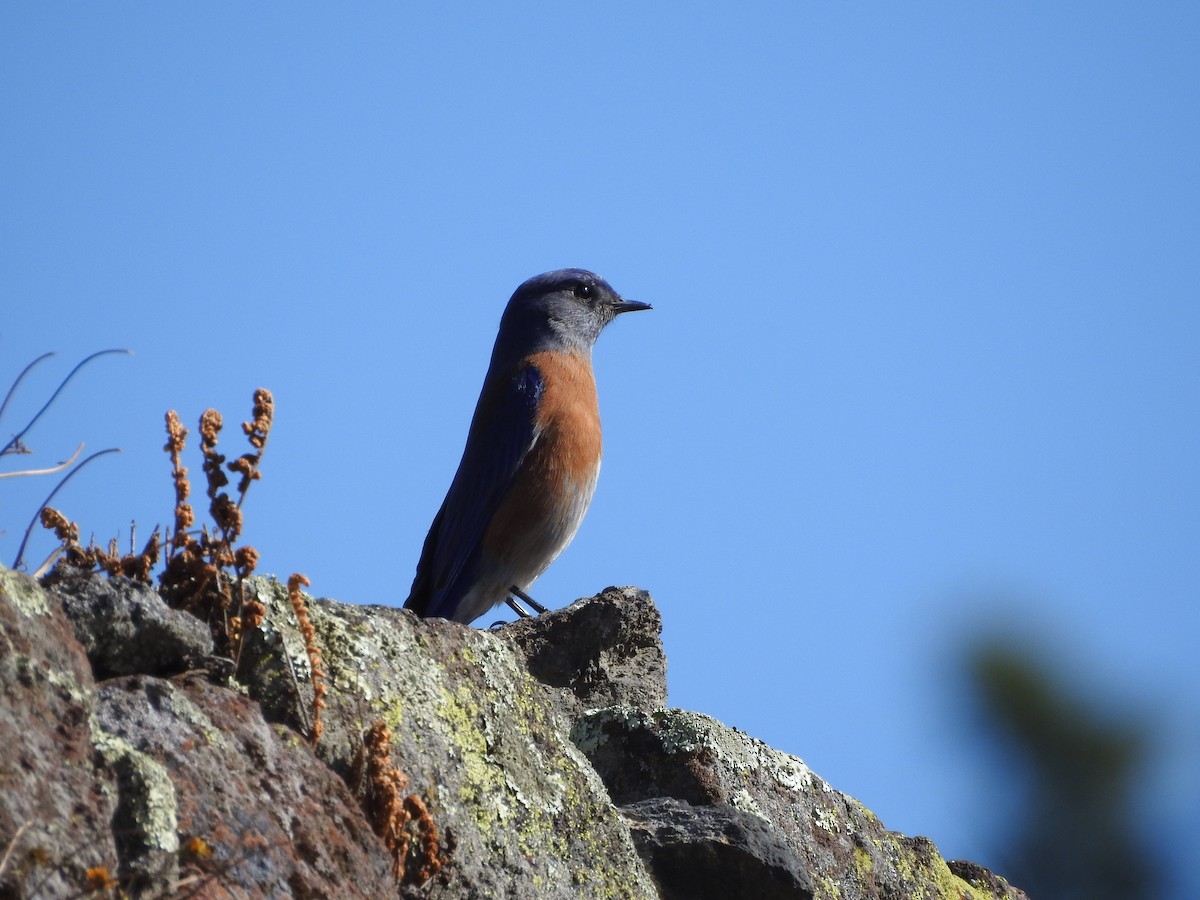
{"points": [[923, 360]]}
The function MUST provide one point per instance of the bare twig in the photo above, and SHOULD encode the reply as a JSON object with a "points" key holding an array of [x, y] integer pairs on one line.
{"points": [[16, 441], [13, 389], [49, 471], [45, 566]]}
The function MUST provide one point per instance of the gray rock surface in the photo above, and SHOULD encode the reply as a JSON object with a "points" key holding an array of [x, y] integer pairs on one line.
{"points": [[575, 785], [55, 818], [691, 757], [199, 762], [715, 851], [127, 629], [603, 650]]}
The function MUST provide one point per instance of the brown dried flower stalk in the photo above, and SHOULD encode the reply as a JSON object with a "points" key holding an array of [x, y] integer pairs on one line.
{"points": [[64, 529], [310, 647], [139, 566], [245, 559], [210, 430], [430, 852], [257, 432], [184, 517], [393, 816]]}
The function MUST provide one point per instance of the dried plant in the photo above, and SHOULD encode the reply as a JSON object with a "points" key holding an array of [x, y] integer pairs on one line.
{"points": [[184, 517], [137, 566], [397, 818], [257, 431], [203, 572], [195, 575], [317, 673]]}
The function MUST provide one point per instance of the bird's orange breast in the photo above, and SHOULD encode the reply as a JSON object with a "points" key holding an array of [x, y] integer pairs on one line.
{"points": [[568, 417], [554, 483]]}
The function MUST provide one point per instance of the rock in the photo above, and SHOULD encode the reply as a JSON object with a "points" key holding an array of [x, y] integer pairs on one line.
{"points": [[118, 779], [213, 794], [55, 818], [604, 650], [126, 628], [983, 880], [146, 785], [717, 851], [845, 849], [479, 739]]}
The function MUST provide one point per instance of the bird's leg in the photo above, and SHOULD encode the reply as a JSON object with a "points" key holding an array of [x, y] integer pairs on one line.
{"points": [[514, 590], [516, 607]]}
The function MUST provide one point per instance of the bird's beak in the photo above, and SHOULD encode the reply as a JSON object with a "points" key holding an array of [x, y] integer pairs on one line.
{"points": [[624, 306]]}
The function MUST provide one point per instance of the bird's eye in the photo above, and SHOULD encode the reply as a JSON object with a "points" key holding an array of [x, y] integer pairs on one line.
{"points": [[583, 291]]}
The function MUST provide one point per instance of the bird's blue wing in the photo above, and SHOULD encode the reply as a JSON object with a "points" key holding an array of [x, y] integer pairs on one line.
{"points": [[502, 431]]}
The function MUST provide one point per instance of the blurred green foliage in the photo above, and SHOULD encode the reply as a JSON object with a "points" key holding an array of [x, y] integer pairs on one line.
{"points": [[1075, 836]]}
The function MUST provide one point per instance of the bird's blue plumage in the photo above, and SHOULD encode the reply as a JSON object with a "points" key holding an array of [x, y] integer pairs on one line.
{"points": [[502, 432]]}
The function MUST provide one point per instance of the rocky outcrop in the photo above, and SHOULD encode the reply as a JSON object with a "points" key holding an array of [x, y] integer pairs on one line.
{"points": [[57, 809], [542, 751]]}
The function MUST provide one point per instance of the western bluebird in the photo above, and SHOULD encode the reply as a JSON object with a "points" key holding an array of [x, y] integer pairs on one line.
{"points": [[533, 452]]}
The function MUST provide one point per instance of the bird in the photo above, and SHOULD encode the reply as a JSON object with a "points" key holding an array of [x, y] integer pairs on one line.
{"points": [[532, 456]]}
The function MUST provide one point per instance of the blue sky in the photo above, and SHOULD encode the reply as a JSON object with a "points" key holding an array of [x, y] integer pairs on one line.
{"points": [[923, 360]]}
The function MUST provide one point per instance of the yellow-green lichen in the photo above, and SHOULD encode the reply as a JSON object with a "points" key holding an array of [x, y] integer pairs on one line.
{"points": [[25, 594], [65, 680], [918, 865], [147, 794], [863, 863], [184, 709]]}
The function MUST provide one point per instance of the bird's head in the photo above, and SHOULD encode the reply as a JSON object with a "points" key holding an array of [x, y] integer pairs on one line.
{"points": [[564, 309]]}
